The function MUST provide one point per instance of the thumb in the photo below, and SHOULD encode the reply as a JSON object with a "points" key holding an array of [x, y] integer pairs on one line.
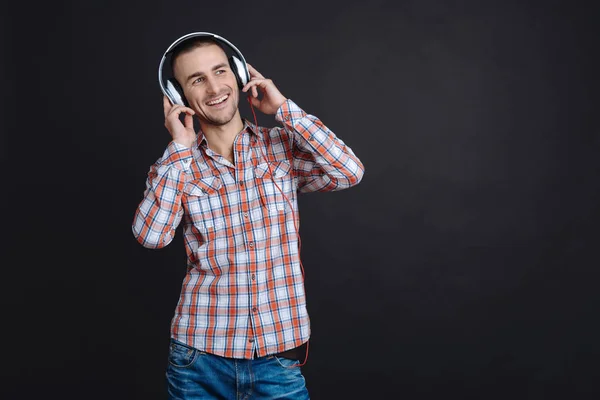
{"points": [[253, 101], [188, 121]]}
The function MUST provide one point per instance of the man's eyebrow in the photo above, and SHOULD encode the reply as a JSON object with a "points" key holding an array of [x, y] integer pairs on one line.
{"points": [[198, 73]]}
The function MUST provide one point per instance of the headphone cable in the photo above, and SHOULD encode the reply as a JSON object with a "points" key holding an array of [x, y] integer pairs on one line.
{"points": [[291, 208]]}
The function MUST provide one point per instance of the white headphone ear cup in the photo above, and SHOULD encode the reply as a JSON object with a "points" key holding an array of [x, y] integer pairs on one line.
{"points": [[240, 71], [174, 94]]}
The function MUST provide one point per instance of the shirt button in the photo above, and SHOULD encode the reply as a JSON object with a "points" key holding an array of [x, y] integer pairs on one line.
{"points": [[245, 215], [241, 183], [254, 309], [251, 244], [251, 340], [253, 277]]}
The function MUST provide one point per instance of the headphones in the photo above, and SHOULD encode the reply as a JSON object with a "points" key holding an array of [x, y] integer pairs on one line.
{"points": [[171, 88]]}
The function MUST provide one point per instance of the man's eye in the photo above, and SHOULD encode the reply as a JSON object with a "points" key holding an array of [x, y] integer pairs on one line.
{"points": [[221, 71], [201, 79]]}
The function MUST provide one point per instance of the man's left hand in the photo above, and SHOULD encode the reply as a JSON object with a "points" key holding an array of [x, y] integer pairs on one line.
{"points": [[271, 98]]}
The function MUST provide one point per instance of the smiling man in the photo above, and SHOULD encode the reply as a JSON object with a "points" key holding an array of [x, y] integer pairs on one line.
{"points": [[209, 85], [241, 325]]}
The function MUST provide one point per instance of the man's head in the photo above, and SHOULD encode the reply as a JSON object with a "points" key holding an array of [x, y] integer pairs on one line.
{"points": [[201, 67]]}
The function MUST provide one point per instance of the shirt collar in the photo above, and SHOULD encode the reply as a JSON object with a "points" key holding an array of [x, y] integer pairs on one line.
{"points": [[252, 129], [249, 128]]}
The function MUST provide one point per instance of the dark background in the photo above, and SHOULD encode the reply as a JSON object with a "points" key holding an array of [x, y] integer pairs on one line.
{"points": [[464, 265]]}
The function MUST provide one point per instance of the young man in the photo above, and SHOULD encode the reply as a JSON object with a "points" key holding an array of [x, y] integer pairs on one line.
{"points": [[241, 325]]}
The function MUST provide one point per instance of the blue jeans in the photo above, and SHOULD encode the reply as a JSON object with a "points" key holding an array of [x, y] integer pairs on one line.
{"points": [[193, 374]]}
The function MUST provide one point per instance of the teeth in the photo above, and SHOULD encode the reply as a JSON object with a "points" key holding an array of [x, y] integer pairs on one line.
{"points": [[217, 101]]}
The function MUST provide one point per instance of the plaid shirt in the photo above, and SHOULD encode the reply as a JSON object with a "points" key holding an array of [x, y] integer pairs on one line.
{"points": [[244, 287]]}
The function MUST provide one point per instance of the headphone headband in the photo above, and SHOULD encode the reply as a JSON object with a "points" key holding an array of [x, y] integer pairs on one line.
{"points": [[218, 38]]}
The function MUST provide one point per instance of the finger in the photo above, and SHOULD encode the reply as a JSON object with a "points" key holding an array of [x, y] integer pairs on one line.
{"points": [[253, 83], [255, 102], [188, 121], [177, 110], [254, 92]]}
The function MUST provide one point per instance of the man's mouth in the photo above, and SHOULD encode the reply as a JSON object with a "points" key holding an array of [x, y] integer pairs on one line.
{"points": [[218, 100]]}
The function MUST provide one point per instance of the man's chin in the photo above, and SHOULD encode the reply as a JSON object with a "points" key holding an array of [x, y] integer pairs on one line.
{"points": [[220, 120]]}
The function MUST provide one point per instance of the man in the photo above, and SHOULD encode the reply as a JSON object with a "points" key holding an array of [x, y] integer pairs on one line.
{"points": [[241, 325]]}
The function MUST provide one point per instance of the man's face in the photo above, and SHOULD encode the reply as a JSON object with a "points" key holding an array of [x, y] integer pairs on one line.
{"points": [[209, 84]]}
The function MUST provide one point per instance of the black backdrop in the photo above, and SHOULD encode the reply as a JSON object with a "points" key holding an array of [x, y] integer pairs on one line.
{"points": [[465, 263]]}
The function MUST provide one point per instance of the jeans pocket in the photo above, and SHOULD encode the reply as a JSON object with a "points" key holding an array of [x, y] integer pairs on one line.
{"points": [[286, 363], [182, 356]]}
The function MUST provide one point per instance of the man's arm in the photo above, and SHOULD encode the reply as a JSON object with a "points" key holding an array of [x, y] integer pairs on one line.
{"points": [[322, 161], [160, 211]]}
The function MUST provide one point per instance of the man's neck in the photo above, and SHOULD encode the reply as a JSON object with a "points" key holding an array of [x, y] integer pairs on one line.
{"points": [[220, 138]]}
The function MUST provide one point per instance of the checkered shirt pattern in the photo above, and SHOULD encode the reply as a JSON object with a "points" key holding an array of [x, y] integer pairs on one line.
{"points": [[244, 287]]}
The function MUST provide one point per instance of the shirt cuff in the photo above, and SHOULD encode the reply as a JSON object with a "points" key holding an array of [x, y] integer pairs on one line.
{"points": [[177, 156], [289, 113]]}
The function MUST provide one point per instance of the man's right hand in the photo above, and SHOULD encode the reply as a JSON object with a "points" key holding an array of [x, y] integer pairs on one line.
{"points": [[182, 133]]}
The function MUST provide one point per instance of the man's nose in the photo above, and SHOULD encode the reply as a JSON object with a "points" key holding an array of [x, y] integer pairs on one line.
{"points": [[212, 85]]}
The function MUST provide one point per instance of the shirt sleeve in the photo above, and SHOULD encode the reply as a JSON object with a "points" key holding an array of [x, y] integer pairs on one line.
{"points": [[160, 211], [322, 161]]}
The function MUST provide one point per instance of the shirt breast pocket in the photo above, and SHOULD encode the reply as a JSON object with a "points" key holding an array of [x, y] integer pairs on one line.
{"points": [[202, 202], [274, 183]]}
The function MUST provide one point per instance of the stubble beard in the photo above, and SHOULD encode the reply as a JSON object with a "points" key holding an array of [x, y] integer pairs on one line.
{"points": [[220, 120]]}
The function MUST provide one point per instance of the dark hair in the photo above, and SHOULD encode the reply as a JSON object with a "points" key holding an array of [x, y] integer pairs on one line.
{"points": [[191, 44]]}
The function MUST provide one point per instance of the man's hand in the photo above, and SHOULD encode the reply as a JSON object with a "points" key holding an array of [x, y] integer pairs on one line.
{"points": [[271, 98], [182, 133]]}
